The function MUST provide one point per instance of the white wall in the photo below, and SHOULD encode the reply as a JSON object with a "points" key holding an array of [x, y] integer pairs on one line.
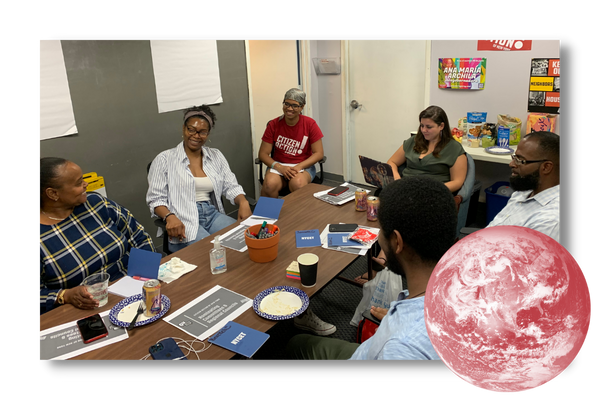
{"points": [[506, 90]]}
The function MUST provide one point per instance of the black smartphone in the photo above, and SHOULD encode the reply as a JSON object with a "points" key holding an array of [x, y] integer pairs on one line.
{"points": [[92, 328], [342, 227], [338, 190], [166, 349]]}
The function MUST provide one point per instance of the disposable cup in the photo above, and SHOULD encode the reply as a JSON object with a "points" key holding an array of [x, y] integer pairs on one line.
{"points": [[308, 269], [97, 286]]}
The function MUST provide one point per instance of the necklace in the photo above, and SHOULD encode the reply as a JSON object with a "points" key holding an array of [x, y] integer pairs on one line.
{"points": [[56, 219], [417, 295]]}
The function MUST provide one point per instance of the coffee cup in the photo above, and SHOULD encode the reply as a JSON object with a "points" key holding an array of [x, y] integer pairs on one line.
{"points": [[308, 269]]}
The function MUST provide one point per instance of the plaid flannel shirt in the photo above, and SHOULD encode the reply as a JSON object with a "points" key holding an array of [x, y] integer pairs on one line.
{"points": [[96, 237]]}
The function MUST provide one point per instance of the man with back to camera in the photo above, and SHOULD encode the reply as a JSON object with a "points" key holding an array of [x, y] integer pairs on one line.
{"points": [[535, 178], [418, 225]]}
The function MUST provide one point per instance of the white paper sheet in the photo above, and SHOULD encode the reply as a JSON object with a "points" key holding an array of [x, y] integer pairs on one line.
{"points": [[126, 287], [279, 173], [56, 109], [186, 73]]}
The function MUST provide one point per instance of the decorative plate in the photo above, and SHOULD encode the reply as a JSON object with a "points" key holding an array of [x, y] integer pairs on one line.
{"points": [[280, 302], [122, 313], [503, 151]]}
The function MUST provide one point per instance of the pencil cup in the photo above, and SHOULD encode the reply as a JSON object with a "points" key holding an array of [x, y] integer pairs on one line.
{"points": [[262, 250]]}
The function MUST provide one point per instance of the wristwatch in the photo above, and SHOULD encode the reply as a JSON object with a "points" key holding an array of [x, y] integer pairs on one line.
{"points": [[60, 299]]}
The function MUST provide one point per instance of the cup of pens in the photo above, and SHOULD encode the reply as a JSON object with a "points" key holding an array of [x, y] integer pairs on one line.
{"points": [[262, 241]]}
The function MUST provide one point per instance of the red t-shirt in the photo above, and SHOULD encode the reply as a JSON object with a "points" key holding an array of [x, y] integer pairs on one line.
{"points": [[292, 144]]}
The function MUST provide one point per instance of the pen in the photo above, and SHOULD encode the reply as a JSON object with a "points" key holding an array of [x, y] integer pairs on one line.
{"points": [[139, 278]]}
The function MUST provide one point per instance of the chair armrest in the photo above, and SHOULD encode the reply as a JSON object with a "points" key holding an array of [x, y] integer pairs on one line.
{"points": [[367, 315], [160, 223]]}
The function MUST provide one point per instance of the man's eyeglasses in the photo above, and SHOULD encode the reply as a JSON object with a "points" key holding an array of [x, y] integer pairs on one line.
{"points": [[294, 106], [520, 161]]}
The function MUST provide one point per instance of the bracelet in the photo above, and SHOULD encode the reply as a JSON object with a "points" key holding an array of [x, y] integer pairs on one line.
{"points": [[273, 165], [167, 216]]}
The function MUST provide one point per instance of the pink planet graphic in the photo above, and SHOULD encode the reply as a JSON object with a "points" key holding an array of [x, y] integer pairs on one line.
{"points": [[507, 308]]}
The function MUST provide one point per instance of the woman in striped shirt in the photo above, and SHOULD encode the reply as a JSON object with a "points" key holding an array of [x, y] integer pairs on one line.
{"points": [[187, 181]]}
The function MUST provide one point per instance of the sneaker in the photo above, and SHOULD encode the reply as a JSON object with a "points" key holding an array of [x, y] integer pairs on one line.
{"points": [[310, 322]]}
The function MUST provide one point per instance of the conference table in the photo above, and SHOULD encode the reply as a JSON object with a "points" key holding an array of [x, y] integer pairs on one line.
{"points": [[300, 211]]}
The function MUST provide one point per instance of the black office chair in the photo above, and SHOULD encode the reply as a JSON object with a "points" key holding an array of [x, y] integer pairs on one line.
{"points": [[161, 224]]}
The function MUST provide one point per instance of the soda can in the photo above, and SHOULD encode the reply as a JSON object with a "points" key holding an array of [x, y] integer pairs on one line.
{"points": [[372, 208], [151, 297], [360, 200]]}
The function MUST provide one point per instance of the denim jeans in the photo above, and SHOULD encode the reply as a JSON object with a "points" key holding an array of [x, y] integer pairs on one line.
{"points": [[211, 221]]}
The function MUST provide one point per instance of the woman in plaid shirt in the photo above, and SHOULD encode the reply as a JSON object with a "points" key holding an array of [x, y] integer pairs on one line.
{"points": [[80, 234]]}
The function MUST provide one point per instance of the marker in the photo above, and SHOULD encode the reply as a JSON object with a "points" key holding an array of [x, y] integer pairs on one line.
{"points": [[139, 278]]}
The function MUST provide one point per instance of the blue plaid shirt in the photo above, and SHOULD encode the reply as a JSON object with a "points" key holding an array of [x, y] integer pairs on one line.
{"points": [[96, 237]]}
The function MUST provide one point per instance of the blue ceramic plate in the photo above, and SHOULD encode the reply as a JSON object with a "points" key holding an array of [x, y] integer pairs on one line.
{"points": [[124, 311], [503, 151], [280, 297]]}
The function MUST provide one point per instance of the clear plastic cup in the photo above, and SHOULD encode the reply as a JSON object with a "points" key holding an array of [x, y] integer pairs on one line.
{"points": [[97, 286]]}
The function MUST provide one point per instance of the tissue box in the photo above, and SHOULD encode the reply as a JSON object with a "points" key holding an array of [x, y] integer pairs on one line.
{"points": [[293, 271]]}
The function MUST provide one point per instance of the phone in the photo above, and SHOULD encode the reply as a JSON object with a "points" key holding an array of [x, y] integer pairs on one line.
{"points": [[166, 349], [92, 328], [338, 190], [342, 227]]}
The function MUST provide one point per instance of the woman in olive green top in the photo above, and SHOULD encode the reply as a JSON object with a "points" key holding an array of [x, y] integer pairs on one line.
{"points": [[432, 152]]}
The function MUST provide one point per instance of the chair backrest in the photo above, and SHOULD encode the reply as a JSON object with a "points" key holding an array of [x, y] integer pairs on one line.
{"points": [[466, 191]]}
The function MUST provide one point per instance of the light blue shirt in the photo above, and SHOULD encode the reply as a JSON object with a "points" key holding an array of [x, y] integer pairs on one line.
{"points": [[171, 184], [401, 335], [540, 212]]}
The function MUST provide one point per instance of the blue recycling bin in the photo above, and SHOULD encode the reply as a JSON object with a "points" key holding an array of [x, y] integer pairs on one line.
{"points": [[495, 201]]}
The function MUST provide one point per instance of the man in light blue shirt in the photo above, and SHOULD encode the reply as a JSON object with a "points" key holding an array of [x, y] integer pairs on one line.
{"points": [[418, 225], [535, 178]]}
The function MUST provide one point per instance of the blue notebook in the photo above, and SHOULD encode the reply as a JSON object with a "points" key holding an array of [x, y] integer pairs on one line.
{"points": [[239, 339], [341, 239], [143, 263], [308, 238], [268, 207]]}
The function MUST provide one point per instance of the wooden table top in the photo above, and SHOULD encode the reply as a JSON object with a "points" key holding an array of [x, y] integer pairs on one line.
{"points": [[300, 211]]}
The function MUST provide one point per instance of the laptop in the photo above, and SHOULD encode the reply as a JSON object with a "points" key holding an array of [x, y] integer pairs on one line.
{"points": [[376, 173]]}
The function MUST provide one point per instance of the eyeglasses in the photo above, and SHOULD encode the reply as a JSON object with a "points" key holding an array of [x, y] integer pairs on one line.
{"points": [[520, 161], [193, 131], [294, 106]]}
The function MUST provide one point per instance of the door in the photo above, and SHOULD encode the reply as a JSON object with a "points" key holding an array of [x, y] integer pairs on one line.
{"points": [[388, 80]]}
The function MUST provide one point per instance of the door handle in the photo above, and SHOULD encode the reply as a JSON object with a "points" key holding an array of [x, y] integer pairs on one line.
{"points": [[354, 104]]}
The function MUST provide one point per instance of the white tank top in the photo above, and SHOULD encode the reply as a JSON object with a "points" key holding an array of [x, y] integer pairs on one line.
{"points": [[203, 188]]}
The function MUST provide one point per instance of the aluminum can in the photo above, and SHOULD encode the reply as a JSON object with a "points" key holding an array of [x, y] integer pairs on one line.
{"points": [[151, 297], [372, 208], [360, 200]]}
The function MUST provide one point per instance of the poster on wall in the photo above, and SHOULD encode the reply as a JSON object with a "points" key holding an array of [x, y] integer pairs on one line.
{"points": [[504, 45], [461, 73], [544, 86]]}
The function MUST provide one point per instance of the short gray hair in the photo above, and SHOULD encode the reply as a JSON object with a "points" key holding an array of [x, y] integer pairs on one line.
{"points": [[296, 95]]}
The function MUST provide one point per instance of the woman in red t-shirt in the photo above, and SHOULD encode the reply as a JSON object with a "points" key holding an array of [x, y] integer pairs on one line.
{"points": [[291, 145]]}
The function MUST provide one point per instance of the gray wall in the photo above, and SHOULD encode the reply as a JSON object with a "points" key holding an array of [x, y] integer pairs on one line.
{"points": [[120, 129]]}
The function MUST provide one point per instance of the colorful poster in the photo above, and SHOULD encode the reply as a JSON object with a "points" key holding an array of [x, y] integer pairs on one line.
{"points": [[544, 86], [461, 73], [504, 45]]}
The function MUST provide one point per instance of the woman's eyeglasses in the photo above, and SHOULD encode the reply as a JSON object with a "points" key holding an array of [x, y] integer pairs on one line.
{"points": [[294, 106]]}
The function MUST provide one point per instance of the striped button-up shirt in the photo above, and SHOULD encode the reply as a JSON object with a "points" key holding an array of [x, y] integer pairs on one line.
{"points": [[171, 184], [96, 237], [540, 212]]}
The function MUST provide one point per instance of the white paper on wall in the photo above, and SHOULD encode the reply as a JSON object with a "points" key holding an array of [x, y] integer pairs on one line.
{"points": [[56, 109], [186, 73]]}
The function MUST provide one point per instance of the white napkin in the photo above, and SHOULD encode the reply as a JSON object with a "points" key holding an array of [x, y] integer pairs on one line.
{"points": [[173, 269]]}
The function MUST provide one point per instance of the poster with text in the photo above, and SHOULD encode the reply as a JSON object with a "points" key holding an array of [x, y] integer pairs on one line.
{"points": [[544, 86], [461, 73]]}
